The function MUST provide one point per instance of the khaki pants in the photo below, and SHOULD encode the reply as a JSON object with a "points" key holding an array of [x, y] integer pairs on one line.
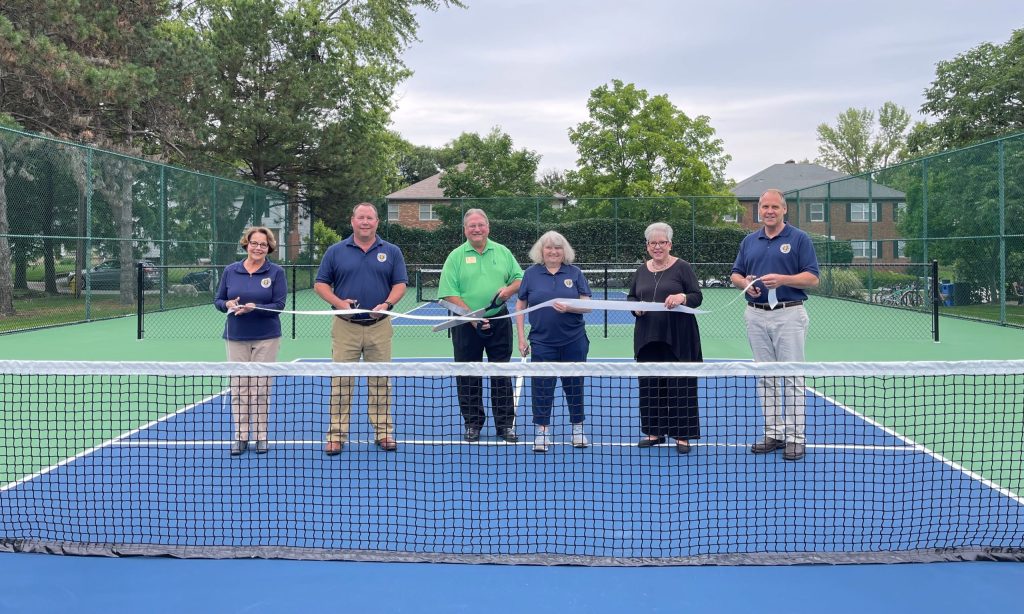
{"points": [[349, 342], [250, 396], [778, 336]]}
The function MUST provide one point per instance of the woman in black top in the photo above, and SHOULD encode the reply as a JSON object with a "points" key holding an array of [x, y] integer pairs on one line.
{"points": [[668, 405]]}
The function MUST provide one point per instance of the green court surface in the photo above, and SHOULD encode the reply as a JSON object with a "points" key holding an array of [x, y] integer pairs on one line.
{"points": [[840, 331]]}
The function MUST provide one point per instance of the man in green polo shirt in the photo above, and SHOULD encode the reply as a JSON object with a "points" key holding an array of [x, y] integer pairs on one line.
{"points": [[473, 274]]}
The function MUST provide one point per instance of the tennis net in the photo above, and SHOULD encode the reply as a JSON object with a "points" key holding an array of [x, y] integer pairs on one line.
{"points": [[904, 462]]}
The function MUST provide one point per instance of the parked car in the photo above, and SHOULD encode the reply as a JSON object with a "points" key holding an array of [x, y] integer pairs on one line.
{"points": [[203, 281], [107, 276], [714, 282]]}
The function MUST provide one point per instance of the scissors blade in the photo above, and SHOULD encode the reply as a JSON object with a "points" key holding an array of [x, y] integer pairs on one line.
{"points": [[457, 310]]}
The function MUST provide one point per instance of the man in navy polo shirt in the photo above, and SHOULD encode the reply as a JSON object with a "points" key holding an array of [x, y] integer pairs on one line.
{"points": [[781, 258], [362, 271]]}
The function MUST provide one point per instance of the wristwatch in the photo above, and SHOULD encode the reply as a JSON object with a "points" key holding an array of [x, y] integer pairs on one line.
{"points": [[390, 305]]}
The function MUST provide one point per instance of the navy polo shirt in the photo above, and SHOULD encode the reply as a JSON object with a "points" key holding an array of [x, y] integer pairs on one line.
{"points": [[788, 253], [547, 326], [266, 288], [366, 276]]}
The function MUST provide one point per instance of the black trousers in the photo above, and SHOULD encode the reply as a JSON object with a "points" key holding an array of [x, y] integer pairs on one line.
{"points": [[470, 346], [668, 405]]}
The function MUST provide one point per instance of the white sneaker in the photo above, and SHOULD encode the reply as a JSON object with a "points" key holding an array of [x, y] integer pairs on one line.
{"points": [[541, 441], [579, 440]]}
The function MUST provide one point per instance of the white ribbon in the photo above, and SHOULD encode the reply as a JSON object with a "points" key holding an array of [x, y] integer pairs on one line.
{"points": [[601, 304]]}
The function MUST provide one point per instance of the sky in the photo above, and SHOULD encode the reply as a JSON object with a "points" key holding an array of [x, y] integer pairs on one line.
{"points": [[766, 73]]}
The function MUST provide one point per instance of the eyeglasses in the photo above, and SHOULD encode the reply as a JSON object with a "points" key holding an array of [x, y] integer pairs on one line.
{"points": [[258, 244], [658, 243]]}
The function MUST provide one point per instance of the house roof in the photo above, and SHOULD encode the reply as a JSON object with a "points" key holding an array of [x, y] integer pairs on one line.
{"points": [[426, 189], [793, 176]]}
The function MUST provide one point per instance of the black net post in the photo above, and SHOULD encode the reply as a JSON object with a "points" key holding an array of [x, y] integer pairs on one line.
{"points": [[935, 300], [140, 286]]}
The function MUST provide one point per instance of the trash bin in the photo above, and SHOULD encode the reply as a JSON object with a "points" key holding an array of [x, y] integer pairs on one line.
{"points": [[946, 290]]}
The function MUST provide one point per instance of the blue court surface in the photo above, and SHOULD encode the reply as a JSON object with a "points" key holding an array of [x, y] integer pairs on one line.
{"points": [[861, 489]]}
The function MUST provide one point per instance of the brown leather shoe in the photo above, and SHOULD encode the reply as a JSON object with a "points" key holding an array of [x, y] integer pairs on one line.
{"points": [[387, 444], [333, 448]]}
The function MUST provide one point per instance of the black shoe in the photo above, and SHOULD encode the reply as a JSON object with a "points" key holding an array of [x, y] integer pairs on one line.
{"points": [[647, 442], [333, 448], [509, 435], [683, 447], [794, 451], [472, 434], [262, 447], [239, 446], [767, 445]]}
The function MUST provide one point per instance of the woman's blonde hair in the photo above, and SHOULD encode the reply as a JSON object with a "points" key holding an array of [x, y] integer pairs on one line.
{"points": [[249, 232], [552, 238]]}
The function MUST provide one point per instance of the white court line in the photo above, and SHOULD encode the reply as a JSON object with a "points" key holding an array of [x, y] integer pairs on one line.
{"points": [[108, 443], [924, 449], [499, 443]]}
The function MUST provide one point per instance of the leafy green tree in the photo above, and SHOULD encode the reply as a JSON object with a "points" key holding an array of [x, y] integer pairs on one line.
{"points": [[298, 94], [977, 95], [489, 166], [417, 162], [638, 145], [856, 144], [635, 145]]}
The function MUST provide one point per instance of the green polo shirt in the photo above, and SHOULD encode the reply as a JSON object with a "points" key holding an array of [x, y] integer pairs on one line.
{"points": [[476, 277]]}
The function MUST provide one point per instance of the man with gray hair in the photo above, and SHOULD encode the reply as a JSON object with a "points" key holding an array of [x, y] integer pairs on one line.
{"points": [[482, 273], [775, 265]]}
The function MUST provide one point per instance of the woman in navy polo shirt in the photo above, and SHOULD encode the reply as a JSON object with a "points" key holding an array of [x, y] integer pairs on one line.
{"points": [[557, 334], [252, 335]]}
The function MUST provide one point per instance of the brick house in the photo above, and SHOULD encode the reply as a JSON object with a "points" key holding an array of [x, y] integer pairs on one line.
{"points": [[848, 208], [416, 205]]}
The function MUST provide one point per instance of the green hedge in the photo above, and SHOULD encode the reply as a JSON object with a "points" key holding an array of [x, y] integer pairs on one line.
{"points": [[595, 240]]}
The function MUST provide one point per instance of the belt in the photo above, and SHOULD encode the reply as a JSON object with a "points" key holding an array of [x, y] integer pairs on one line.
{"points": [[368, 322], [779, 306]]}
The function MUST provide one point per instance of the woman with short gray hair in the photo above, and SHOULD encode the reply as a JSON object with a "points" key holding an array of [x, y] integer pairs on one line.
{"points": [[668, 405], [557, 333]]}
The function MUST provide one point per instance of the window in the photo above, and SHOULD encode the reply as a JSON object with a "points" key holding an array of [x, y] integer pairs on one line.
{"points": [[899, 210], [864, 249], [427, 213], [730, 217], [859, 212], [901, 249], [394, 212], [816, 212]]}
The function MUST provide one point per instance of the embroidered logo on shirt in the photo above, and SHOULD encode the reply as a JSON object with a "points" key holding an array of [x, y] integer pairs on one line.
{"points": [[568, 283], [784, 248], [265, 282], [382, 257], [470, 259]]}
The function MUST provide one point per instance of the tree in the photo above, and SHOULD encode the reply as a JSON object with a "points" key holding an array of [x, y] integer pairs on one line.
{"points": [[977, 95], [108, 72], [417, 162], [856, 144], [635, 145], [299, 94], [489, 167]]}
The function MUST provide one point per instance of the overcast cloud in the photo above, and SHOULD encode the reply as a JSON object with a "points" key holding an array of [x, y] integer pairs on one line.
{"points": [[766, 73]]}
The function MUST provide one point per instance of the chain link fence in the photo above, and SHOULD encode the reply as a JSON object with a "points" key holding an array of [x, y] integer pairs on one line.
{"points": [[72, 217], [75, 221], [964, 208]]}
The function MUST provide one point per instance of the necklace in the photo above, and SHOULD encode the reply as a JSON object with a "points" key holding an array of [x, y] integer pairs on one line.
{"points": [[657, 280]]}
